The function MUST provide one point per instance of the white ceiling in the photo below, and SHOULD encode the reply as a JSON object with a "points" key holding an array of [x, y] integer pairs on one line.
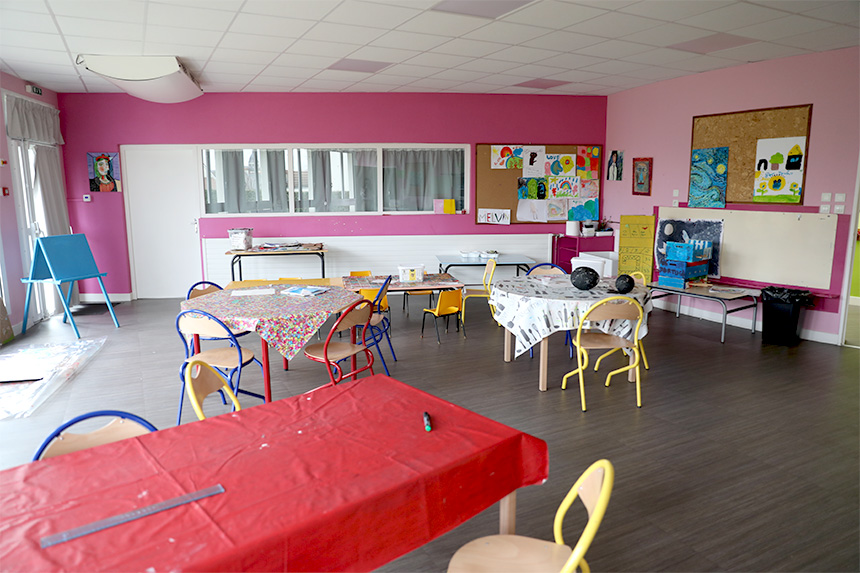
{"points": [[587, 47]]}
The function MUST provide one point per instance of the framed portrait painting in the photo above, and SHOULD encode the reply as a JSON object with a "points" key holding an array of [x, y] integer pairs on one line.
{"points": [[642, 175]]}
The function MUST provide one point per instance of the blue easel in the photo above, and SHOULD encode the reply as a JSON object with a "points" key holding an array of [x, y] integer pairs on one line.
{"points": [[63, 259]]}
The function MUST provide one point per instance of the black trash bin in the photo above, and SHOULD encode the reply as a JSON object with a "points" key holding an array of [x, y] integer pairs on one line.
{"points": [[781, 308]]}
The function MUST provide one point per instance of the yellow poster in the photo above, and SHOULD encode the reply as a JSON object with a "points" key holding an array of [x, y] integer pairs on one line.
{"points": [[636, 245]]}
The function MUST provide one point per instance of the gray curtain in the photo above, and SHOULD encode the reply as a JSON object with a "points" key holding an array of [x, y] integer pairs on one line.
{"points": [[235, 198], [276, 162], [319, 179], [49, 196], [413, 178], [364, 179], [32, 121]]}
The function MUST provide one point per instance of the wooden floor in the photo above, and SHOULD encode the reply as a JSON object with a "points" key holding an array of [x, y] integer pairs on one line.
{"points": [[744, 457]]}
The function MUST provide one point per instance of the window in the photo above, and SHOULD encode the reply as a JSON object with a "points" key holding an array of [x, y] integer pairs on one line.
{"points": [[333, 179]]}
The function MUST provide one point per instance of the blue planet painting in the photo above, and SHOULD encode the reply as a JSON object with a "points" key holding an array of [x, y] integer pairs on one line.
{"points": [[709, 170]]}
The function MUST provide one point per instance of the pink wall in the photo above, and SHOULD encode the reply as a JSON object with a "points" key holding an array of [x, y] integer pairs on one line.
{"points": [[656, 121], [14, 298], [103, 122]]}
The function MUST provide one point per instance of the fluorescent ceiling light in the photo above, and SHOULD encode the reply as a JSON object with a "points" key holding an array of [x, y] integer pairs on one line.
{"points": [[482, 8], [162, 79]]}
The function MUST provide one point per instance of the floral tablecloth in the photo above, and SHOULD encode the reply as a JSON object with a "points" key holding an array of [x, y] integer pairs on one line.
{"points": [[532, 308], [432, 281], [285, 322]]}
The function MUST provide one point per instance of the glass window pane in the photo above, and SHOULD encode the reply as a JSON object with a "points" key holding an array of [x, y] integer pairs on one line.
{"points": [[335, 180], [413, 178], [245, 180]]}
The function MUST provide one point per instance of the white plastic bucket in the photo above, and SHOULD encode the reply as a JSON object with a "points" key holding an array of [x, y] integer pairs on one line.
{"points": [[411, 274], [241, 239]]}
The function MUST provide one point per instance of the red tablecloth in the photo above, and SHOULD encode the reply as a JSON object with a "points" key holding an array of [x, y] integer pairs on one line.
{"points": [[344, 478]]}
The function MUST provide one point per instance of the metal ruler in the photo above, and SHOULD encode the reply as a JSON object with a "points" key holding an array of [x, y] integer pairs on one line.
{"points": [[76, 532]]}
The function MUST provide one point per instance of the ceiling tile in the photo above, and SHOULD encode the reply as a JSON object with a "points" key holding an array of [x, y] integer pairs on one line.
{"points": [[460, 75], [480, 8], [250, 70], [825, 39], [837, 12], [667, 35], [270, 26], [611, 67], [577, 76], [658, 56], [795, 6], [240, 41], [370, 14], [562, 41], [324, 85], [26, 21], [36, 40], [504, 79], [303, 9], [612, 49], [729, 18], [536, 71], [304, 61], [488, 66], [276, 83], [276, 73], [438, 60], [571, 61], [315, 48], [671, 10], [344, 33], [655, 73], [442, 24], [474, 48], [434, 83], [552, 14], [181, 36], [182, 52], [111, 30], [385, 79], [62, 58], [377, 54], [120, 10], [229, 5], [506, 33], [80, 45], [702, 64], [781, 28], [31, 7], [342, 75], [411, 70], [195, 18], [242, 56], [409, 40], [614, 25], [522, 55], [760, 51]]}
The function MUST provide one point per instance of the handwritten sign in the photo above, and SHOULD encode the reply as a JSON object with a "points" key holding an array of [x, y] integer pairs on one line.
{"points": [[636, 245], [494, 216]]}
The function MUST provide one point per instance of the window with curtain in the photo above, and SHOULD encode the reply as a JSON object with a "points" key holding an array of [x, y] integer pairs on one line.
{"points": [[333, 179]]}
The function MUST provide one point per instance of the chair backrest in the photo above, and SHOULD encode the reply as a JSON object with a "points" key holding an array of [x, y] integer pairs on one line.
{"points": [[545, 269], [123, 425], [449, 302], [356, 314], [360, 273], [202, 380], [615, 307], [639, 277], [379, 297], [201, 288], [489, 271], [593, 488]]}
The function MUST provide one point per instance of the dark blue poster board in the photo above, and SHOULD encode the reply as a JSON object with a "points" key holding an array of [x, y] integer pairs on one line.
{"points": [[63, 259], [686, 230]]}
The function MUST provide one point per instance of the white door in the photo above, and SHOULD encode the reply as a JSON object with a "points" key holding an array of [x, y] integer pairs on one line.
{"points": [[162, 201]]}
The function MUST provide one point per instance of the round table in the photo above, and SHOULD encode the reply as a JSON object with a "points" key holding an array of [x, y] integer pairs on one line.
{"points": [[532, 308]]}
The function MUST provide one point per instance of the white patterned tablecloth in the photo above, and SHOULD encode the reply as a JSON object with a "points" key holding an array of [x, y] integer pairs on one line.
{"points": [[532, 308]]}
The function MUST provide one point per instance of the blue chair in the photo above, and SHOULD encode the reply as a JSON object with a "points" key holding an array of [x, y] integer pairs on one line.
{"points": [[227, 360], [551, 269], [123, 425], [380, 324], [205, 287]]}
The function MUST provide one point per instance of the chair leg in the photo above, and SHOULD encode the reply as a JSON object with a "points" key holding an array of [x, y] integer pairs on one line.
{"points": [[436, 324], [460, 318], [181, 398], [422, 324], [388, 338], [642, 353], [377, 336]]}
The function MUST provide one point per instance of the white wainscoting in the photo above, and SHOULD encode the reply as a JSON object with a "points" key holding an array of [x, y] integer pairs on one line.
{"points": [[379, 254]]}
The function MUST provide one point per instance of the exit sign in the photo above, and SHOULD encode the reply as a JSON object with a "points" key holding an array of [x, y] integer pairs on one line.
{"points": [[34, 90]]}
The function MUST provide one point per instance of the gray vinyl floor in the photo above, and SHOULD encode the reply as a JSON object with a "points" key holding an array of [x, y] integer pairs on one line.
{"points": [[744, 456]]}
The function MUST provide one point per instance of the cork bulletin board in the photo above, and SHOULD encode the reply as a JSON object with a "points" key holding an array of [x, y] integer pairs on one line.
{"points": [[740, 132], [497, 188]]}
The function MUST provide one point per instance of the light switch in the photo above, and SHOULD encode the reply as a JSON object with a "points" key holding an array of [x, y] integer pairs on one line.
{"points": [[839, 209], [824, 208], [87, 198], [675, 192], [825, 197], [674, 202], [840, 197]]}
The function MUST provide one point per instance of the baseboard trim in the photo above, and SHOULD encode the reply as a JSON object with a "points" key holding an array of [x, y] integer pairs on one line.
{"points": [[97, 297]]}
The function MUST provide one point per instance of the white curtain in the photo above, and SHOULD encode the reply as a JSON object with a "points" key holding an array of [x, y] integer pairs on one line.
{"points": [[50, 191], [32, 121]]}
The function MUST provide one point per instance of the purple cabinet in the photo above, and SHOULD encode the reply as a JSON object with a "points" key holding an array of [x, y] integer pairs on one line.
{"points": [[565, 248]]}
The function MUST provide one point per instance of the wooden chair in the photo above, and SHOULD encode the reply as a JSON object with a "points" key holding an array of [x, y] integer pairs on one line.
{"points": [[611, 308], [201, 380], [206, 287], [123, 425], [500, 553], [483, 292], [449, 303], [331, 352], [380, 324], [227, 360]]}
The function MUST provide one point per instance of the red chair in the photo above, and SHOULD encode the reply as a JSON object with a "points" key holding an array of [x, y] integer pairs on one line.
{"points": [[331, 351]]}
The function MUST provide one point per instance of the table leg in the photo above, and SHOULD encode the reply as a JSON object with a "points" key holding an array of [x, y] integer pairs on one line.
{"points": [[508, 514], [286, 363], [507, 352], [267, 379], [544, 353]]}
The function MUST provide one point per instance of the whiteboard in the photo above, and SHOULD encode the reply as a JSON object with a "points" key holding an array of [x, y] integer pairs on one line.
{"points": [[793, 249]]}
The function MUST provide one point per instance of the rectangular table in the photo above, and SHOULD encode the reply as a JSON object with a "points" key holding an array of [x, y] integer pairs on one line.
{"points": [[344, 478], [447, 261], [704, 293], [432, 281], [310, 249]]}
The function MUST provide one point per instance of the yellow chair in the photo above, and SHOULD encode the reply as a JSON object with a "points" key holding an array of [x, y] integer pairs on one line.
{"points": [[611, 308], [369, 294], [202, 380], [122, 426], [639, 278], [499, 553], [483, 292], [449, 303]]}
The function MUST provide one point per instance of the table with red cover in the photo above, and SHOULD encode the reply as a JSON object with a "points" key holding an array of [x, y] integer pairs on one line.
{"points": [[344, 478]]}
